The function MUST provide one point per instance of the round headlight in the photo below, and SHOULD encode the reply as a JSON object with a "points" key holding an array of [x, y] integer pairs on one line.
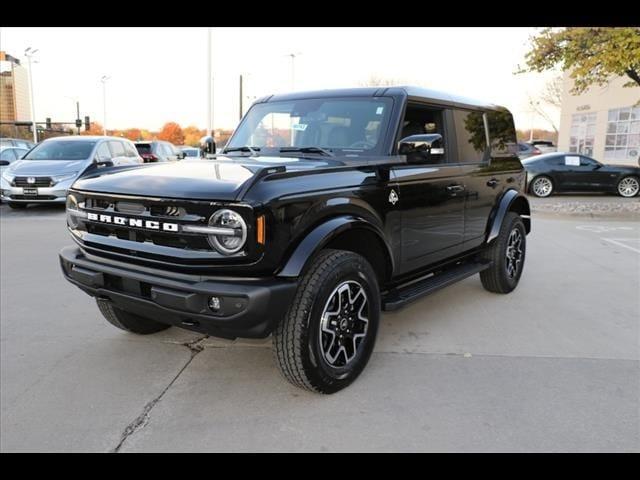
{"points": [[72, 204], [235, 239]]}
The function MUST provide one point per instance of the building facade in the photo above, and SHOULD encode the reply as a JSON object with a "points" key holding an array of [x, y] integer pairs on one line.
{"points": [[14, 90], [603, 122]]}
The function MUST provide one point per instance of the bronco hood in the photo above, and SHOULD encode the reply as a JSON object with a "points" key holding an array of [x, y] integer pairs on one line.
{"points": [[225, 179]]}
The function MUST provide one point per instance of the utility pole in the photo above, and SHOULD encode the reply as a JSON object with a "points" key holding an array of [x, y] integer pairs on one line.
{"points": [[30, 53], [293, 68], [240, 116], [78, 121], [209, 86], [104, 104]]}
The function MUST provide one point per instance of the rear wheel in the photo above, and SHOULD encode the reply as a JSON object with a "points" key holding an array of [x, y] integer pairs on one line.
{"points": [[127, 321], [506, 254], [628, 187], [542, 186], [17, 206], [325, 340]]}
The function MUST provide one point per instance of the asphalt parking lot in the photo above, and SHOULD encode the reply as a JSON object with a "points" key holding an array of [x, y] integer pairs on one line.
{"points": [[553, 366]]}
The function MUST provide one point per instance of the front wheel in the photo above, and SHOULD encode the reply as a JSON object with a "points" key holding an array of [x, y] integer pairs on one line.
{"points": [[325, 340], [628, 187], [506, 255]]}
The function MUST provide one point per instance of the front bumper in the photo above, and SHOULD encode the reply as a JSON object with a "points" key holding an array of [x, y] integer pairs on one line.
{"points": [[55, 194], [250, 307]]}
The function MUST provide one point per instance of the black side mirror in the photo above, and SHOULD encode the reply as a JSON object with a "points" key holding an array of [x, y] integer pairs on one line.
{"points": [[4, 163], [102, 163], [207, 146], [421, 148]]}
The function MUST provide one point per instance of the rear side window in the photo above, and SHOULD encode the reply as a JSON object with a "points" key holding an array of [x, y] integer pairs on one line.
{"points": [[117, 149], [502, 133], [471, 136], [130, 150]]}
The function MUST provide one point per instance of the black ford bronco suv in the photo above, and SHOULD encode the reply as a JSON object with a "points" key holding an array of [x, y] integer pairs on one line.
{"points": [[323, 209]]}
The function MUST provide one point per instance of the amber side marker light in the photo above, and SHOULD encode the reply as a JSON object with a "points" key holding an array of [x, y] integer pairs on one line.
{"points": [[260, 230]]}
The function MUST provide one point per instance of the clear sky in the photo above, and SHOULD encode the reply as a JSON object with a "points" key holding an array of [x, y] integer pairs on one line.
{"points": [[159, 74]]}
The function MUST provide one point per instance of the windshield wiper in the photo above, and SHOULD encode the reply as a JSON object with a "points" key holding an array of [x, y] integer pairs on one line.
{"points": [[246, 148], [320, 150]]}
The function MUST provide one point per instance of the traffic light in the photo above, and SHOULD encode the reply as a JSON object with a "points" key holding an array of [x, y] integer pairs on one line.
{"points": [[78, 122], [87, 123], [48, 123]]}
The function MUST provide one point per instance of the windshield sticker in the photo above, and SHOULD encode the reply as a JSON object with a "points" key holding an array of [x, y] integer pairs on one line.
{"points": [[572, 160], [299, 126], [379, 110]]}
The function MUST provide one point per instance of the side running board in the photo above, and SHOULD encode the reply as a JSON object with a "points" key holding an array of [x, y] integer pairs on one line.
{"points": [[401, 296]]}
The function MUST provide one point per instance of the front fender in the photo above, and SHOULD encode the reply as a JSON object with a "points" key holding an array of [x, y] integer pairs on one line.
{"points": [[320, 236], [509, 201]]}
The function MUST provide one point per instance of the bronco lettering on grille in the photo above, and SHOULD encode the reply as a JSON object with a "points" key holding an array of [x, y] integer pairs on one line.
{"points": [[133, 222]]}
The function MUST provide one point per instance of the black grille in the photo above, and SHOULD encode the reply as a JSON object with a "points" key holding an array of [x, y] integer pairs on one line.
{"points": [[39, 182], [33, 197]]}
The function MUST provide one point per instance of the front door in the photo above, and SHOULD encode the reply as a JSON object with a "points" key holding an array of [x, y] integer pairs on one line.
{"points": [[431, 195]]}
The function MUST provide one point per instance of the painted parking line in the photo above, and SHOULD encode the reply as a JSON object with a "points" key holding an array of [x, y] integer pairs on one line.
{"points": [[621, 243]]}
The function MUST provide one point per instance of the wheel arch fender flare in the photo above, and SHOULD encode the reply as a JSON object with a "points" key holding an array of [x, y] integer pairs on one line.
{"points": [[322, 235], [511, 201]]}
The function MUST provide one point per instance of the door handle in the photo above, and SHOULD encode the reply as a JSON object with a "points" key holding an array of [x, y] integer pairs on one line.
{"points": [[455, 188], [493, 183]]}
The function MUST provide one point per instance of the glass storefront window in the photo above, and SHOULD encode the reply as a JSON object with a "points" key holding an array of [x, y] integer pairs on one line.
{"points": [[583, 129], [623, 134]]}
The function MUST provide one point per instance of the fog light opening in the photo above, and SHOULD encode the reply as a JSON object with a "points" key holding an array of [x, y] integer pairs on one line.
{"points": [[214, 304]]}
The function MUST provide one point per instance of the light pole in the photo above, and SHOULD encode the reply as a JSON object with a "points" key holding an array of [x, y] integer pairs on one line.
{"points": [[76, 103], [209, 86], [30, 53], [293, 67], [104, 104]]}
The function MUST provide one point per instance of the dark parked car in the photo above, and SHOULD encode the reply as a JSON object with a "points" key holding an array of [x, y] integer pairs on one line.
{"points": [[159, 151], [323, 209], [571, 172]]}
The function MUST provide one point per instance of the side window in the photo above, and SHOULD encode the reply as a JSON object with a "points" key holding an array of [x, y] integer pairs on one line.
{"points": [[502, 132], [103, 152], [7, 154], [587, 162], [555, 161], [421, 120], [130, 150], [471, 136], [117, 149]]}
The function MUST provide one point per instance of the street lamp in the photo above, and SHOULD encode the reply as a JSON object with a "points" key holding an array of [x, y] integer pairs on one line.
{"points": [[293, 72], [29, 52], [104, 104]]}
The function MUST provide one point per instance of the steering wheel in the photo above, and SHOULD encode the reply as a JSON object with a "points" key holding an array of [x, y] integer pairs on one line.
{"points": [[362, 144]]}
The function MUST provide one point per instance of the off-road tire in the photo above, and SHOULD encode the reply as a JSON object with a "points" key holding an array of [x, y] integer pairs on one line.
{"points": [[297, 338], [127, 321], [495, 278], [17, 206]]}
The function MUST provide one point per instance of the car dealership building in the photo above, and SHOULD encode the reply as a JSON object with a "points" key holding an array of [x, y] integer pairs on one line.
{"points": [[603, 122]]}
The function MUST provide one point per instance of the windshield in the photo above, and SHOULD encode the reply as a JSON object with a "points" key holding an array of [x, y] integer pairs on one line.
{"points": [[349, 126], [62, 150]]}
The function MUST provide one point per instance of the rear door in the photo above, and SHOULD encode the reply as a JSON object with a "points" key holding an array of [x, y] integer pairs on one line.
{"points": [[431, 196]]}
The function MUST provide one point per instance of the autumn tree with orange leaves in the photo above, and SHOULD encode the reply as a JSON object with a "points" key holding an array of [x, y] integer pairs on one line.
{"points": [[94, 129], [172, 132]]}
